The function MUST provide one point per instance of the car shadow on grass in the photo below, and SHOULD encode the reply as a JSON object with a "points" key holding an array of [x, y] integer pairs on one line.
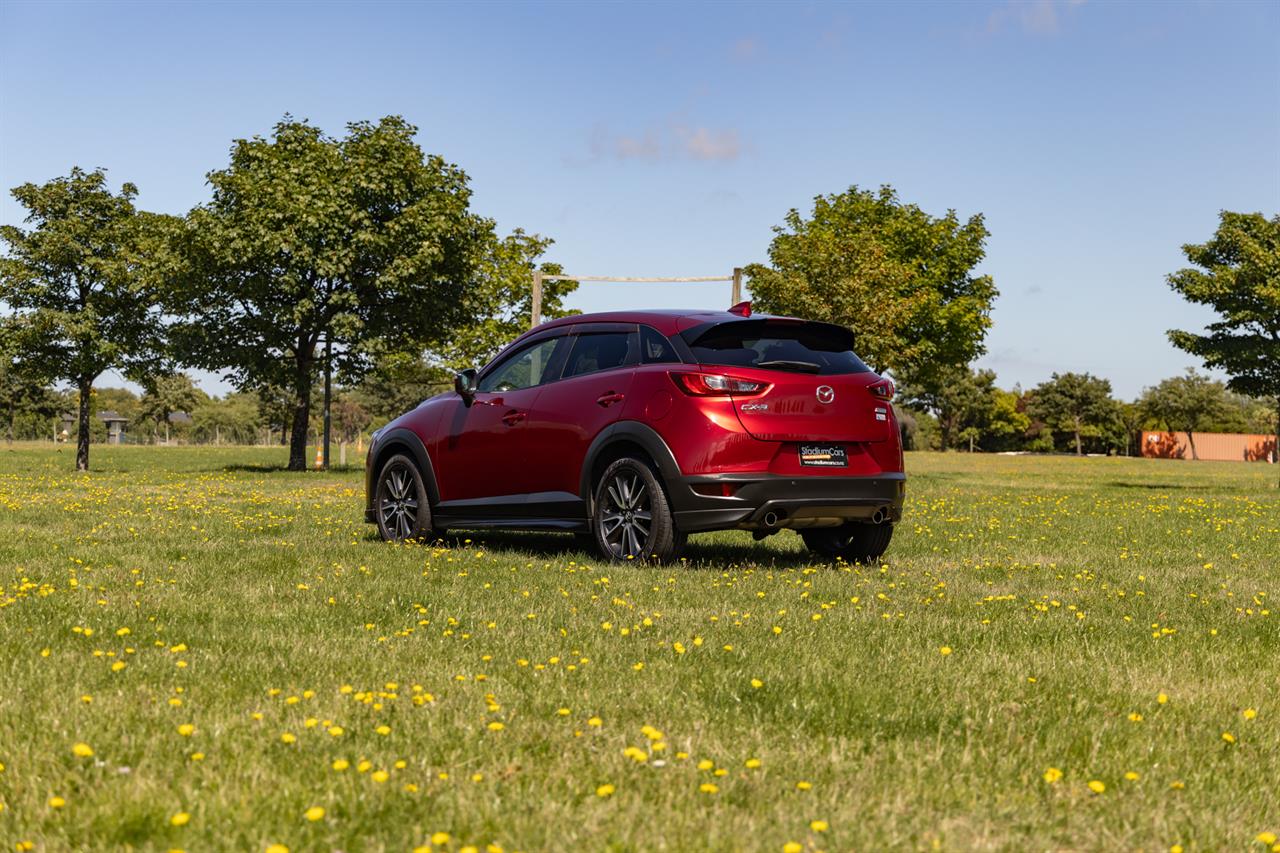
{"points": [[699, 554]]}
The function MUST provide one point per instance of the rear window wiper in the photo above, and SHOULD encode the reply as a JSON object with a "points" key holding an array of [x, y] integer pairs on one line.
{"points": [[785, 364]]}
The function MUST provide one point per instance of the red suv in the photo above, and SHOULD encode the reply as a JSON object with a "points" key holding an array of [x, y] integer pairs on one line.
{"points": [[637, 428]]}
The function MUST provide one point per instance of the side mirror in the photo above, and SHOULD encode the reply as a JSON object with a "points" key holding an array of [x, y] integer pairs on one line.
{"points": [[465, 384]]}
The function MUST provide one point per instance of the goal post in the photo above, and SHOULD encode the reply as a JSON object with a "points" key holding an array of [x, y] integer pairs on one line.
{"points": [[535, 312]]}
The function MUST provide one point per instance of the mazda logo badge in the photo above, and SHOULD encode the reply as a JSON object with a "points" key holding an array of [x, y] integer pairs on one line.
{"points": [[826, 393]]}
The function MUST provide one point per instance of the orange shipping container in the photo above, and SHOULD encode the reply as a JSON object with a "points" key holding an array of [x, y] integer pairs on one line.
{"points": [[1220, 446]]}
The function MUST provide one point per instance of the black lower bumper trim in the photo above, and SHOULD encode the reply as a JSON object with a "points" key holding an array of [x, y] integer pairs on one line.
{"points": [[794, 501]]}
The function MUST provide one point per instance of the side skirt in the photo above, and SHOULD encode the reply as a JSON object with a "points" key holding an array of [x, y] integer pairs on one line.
{"points": [[537, 511]]}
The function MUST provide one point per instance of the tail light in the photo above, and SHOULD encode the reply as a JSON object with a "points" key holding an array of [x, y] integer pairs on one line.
{"points": [[882, 390], [718, 385]]}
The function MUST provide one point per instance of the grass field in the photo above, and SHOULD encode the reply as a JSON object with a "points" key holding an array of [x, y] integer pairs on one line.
{"points": [[1058, 654]]}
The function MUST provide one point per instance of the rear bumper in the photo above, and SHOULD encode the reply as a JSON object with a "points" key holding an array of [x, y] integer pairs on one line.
{"points": [[795, 502]]}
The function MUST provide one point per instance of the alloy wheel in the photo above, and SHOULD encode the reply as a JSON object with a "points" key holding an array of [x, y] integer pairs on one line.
{"points": [[398, 502], [626, 516]]}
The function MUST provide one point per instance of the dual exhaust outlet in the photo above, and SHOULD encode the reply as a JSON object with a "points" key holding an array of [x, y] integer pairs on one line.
{"points": [[771, 520]]}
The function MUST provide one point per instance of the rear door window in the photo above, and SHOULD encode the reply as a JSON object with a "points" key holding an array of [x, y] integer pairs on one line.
{"points": [[820, 348], [596, 351]]}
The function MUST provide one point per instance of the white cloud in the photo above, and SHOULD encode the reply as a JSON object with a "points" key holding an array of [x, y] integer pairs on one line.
{"points": [[1035, 17], [671, 140]]}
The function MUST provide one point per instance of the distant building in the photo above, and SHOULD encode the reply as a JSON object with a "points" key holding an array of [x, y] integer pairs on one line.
{"points": [[1213, 446], [115, 426]]}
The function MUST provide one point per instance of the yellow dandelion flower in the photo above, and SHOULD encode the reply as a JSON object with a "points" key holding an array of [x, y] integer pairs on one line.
{"points": [[595, 722], [340, 764], [186, 729], [792, 847], [1097, 786], [440, 839], [1052, 775], [819, 825], [383, 730], [180, 819], [752, 763], [496, 726], [56, 802], [708, 788], [1228, 737], [314, 813], [380, 776], [605, 791], [944, 650], [804, 786], [1249, 713], [276, 848], [82, 750], [286, 737], [1131, 776]]}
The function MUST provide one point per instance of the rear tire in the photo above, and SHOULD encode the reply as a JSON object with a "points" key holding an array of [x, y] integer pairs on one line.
{"points": [[853, 541], [400, 503], [632, 519]]}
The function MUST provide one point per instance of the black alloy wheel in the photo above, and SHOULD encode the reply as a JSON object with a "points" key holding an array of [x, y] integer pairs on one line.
{"points": [[632, 520], [400, 502]]}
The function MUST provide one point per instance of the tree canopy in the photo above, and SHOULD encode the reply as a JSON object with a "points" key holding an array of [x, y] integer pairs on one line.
{"points": [[81, 304], [1078, 404], [902, 279], [1189, 403], [1237, 274], [361, 240]]}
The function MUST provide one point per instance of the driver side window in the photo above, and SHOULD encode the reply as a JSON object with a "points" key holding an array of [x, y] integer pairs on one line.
{"points": [[522, 370]]}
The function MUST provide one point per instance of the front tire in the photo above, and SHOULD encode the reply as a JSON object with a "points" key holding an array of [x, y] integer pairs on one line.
{"points": [[400, 502], [853, 541], [632, 518]]}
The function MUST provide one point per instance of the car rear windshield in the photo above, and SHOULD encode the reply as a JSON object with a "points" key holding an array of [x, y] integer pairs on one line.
{"points": [[776, 345]]}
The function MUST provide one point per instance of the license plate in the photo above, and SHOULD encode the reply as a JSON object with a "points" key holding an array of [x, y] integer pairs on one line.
{"points": [[823, 455]]}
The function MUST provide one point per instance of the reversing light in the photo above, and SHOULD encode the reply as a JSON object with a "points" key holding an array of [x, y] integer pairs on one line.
{"points": [[717, 385], [882, 390]]}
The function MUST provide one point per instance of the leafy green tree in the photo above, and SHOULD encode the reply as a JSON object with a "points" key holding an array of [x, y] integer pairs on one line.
{"points": [[164, 394], [1237, 273], [361, 241], [1077, 404], [500, 305], [1190, 403], [76, 285], [1006, 423], [961, 402], [903, 280]]}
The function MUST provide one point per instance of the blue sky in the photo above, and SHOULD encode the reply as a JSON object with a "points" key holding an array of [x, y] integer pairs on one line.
{"points": [[667, 139]]}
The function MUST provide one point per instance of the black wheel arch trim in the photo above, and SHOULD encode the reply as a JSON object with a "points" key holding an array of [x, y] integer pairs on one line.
{"points": [[405, 441], [637, 433]]}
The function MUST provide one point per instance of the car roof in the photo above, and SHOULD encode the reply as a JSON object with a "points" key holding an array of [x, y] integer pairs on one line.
{"points": [[668, 321]]}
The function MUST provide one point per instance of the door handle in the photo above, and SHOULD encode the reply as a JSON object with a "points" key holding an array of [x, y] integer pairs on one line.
{"points": [[609, 399], [512, 418]]}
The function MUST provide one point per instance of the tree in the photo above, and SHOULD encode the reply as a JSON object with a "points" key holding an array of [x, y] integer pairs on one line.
{"points": [[1189, 404], [1237, 273], [500, 305], [901, 279], [1076, 403], [81, 303], [362, 242], [963, 401], [166, 393]]}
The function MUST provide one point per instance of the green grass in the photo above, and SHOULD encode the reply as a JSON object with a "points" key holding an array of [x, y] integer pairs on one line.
{"points": [[1071, 593]]}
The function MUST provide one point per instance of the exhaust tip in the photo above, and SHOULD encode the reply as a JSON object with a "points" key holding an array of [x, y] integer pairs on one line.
{"points": [[879, 516], [770, 519]]}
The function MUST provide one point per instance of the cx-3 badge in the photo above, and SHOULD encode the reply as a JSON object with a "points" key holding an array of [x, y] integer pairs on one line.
{"points": [[826, 393]]}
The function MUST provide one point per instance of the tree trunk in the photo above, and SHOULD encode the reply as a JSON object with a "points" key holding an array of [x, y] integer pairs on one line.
{"points": [[299, 434], [1275, 453], [1079, 449], [1191, 440], [82, 439]]}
